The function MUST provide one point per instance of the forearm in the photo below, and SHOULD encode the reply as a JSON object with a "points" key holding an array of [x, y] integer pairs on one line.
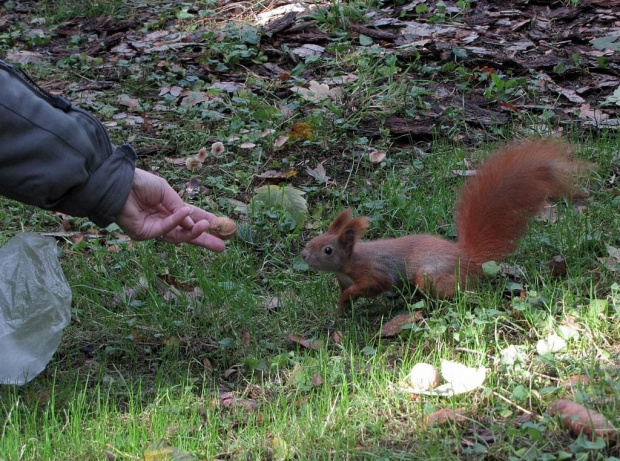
{"points": [[57, 157]]}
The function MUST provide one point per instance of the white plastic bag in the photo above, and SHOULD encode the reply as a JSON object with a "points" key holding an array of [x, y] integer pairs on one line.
{"points": [[35, 306]]}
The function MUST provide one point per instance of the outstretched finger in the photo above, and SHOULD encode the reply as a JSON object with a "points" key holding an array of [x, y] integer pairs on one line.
{"points": [[210, 242], [170, 223]]}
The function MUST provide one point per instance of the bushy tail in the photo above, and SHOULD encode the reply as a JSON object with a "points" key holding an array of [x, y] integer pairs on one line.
{"points": [[494, 208]]}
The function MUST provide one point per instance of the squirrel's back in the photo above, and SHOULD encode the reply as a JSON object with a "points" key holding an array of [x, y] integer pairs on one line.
{"points": [[494, 208]]}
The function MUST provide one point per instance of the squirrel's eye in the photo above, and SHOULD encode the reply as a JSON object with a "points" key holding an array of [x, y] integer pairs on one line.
{"points": [[328, 250]]}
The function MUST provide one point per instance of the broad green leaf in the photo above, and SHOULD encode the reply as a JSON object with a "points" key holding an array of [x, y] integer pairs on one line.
{"points": [[609, 42], [287, 198], [365, 40], [491, 268]]}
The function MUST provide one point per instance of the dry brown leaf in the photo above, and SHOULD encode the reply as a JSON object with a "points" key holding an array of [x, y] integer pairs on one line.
{"points": [[273, 174], [228, 399], [574, 381], [25, 57], [245, 338], [318, 173], [446, 415], [317, 92], [579, 419], [316, 380], [337, 337], [300, 130], [557, 266], [176, 161], [395, 326], [272, 303], [308, 343], [586, 112], [131, 103]]}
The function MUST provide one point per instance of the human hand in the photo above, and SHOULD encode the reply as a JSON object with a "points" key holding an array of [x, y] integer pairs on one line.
{"points": [[153, 209]]}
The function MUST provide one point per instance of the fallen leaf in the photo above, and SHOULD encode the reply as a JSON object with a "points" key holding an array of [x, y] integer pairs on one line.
{"points": [[318, 173], [446, 415], [287, 197], [193, 98], [272, 303], [557, 266], [608, 42], [132, 103], [25, 57], [574, 381], [273, 174], [579, 419], [229, 87], [396, 325], [613, 261], [316, 380], [308, 343], [588, 113], [308, 49], [176, 161], [245, 338], [337, 337], [317, 92], [300, 130], [549, 214], [228, 399]]}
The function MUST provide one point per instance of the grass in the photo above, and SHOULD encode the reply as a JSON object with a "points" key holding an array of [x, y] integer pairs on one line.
{"points": [[134, 370], [174, 348]]}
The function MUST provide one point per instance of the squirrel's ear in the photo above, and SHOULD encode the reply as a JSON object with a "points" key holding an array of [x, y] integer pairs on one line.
{"points": [[339, 221], [352, 232]]}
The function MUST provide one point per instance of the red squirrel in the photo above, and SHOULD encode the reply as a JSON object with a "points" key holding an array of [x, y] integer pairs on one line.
{"points": [[492, 213]]}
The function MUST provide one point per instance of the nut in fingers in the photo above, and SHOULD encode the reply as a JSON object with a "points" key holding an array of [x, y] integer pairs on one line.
{"points": [[222, 227]]}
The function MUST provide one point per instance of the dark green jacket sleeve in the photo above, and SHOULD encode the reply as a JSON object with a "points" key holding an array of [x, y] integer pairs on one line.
{"points": [[58, 157]]}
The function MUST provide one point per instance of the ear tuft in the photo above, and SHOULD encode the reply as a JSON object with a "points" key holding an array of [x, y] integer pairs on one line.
{"points": [[358, 226], [351, 232], [339, 222]]}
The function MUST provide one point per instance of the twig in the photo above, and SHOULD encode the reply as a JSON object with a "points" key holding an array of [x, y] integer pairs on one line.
{"points": [[527, 412]]}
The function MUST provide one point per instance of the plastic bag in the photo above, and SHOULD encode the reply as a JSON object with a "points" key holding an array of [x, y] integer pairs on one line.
{"points": [[35, 306]]}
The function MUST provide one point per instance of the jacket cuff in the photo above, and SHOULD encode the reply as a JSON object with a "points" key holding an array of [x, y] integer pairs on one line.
{"points": [[103, 196]]}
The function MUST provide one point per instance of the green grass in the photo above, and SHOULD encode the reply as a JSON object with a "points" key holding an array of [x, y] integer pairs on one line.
{"points": [[163, 337], [136, 370]]}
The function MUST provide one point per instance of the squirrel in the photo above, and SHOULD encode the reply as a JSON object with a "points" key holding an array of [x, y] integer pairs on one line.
{"points": [[492, 213]]}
